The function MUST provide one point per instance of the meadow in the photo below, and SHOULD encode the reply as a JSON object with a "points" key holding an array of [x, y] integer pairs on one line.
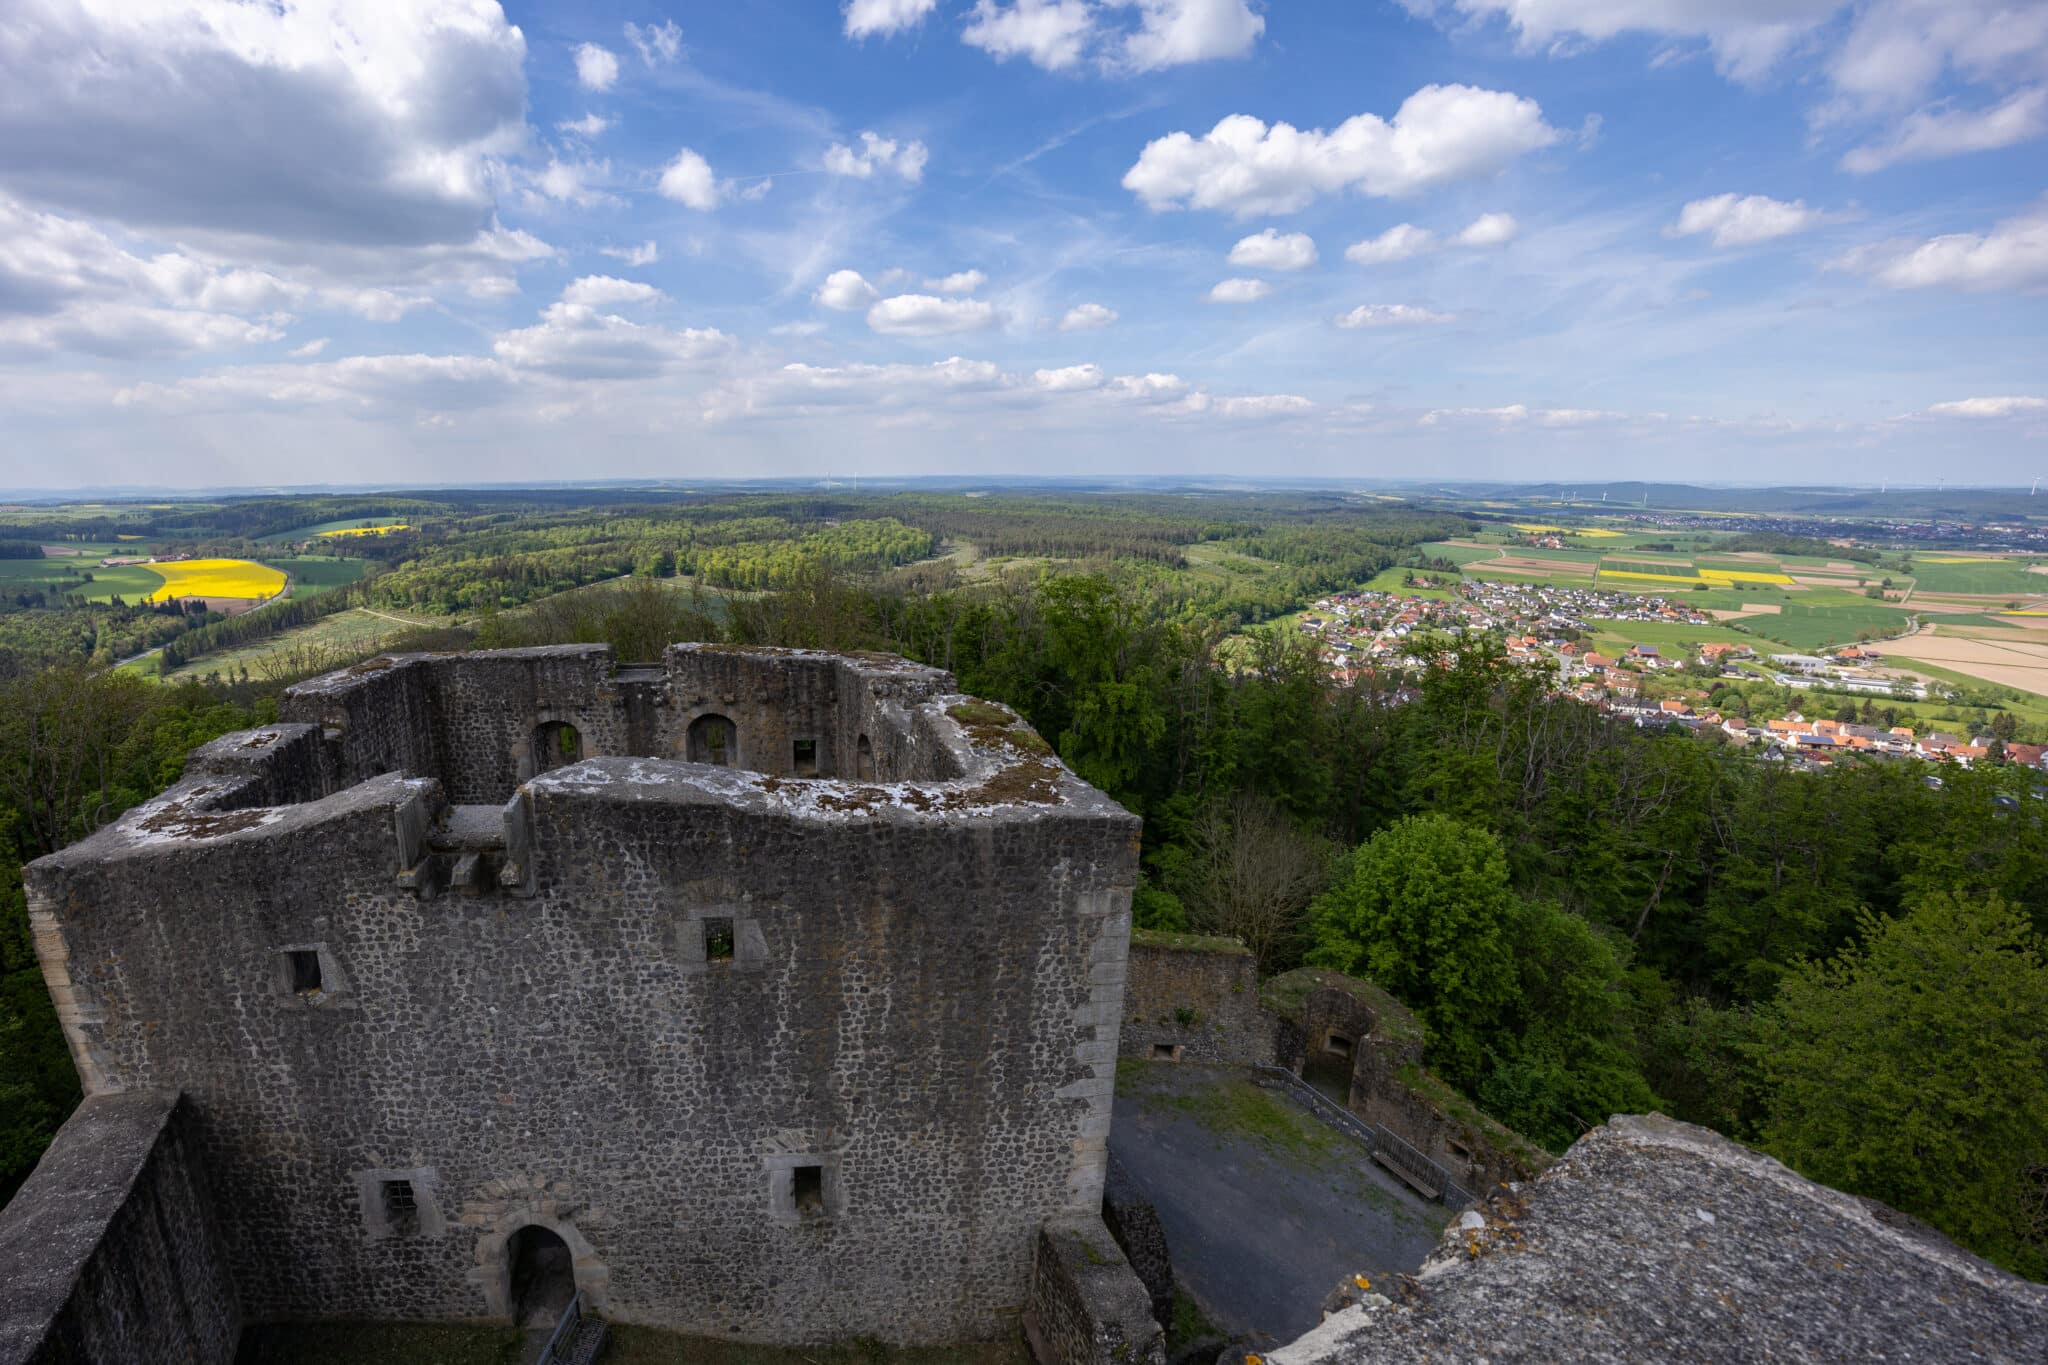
{"points": [[340, 526]]}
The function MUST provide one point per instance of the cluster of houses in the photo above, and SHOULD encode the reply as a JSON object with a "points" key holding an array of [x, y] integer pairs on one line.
{"points": [[1364, 628]]}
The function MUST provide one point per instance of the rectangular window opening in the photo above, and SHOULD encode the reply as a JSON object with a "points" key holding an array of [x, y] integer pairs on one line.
{"points": [[807, 1190], [1338, 1045], [806, 758], [718, 939], [401, 1208], [1165, 1052], [303, 964]]}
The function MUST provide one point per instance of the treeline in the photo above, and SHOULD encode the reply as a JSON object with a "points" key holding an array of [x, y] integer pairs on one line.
{"points": [[20, 549], [273, 618], [1775, 543]]}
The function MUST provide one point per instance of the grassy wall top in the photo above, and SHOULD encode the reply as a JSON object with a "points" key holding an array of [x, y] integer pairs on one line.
{"points": [[1188, 943], [1288, 993]]}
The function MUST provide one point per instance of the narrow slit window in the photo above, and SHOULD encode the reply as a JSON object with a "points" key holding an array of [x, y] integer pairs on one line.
{"points": [[806, 757], [807, 1190], [401, 1208], [303, 968], [718, 939]]}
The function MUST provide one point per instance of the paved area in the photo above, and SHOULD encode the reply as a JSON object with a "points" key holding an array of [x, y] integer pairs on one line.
{"points": [[1265, 1207]]}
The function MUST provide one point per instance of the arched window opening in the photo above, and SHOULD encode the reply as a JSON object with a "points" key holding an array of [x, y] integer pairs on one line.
{"points": [[556, 744], [714, 739], [543, 1276]]}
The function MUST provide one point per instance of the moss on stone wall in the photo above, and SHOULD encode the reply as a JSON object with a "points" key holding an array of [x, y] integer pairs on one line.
{"points": [[1188, 943]]}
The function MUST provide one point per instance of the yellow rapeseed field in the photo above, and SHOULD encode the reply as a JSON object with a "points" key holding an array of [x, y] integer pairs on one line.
{"points": [[1606, 574], [1739, 576], [1536, 529], [365, 530], [215, 578]]}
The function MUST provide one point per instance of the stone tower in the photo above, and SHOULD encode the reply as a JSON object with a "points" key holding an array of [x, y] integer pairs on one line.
{"points": [[758, 993]]}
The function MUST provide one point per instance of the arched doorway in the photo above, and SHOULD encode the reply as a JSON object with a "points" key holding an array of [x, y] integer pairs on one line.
{"points": [[864, 760], [556, 744], [543, 1276], [714, 739]]}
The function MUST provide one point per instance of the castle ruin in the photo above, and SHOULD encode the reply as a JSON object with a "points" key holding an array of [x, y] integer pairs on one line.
{"points": [[763, 994]]}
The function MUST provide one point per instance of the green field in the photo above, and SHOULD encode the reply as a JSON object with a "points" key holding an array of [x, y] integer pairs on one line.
{"points": [[1457, 554], [337, 640], [2009, 578], [131, 582], [315, 574]]}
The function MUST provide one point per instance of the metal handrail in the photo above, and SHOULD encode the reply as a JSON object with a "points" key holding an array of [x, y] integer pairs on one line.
{"points": [[571, 1318], [1378, 1138]]}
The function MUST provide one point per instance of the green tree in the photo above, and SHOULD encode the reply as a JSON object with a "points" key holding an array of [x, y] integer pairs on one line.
{"points": [[1423, 908], [1913, 1068]]}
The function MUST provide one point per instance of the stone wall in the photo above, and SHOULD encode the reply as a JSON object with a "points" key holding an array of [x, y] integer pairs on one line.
{"points": [[1347, 1031], [918, 1011], [1087, 1307], [1190, 998], [110, 1252], [1134, 1223]]}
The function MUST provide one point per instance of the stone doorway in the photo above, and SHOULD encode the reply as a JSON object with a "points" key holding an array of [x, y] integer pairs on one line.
{"points": [[556, 745], [714, 739], [543, 1276]]}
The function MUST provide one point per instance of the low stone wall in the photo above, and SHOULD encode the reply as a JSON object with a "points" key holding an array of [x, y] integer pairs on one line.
{"points": [[1195, 998], [110, 1254], [1134, 1222], [1087, 1306]]}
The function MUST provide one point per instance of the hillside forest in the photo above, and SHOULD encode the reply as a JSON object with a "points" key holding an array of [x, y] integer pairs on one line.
{"points": [[1845, 969]]}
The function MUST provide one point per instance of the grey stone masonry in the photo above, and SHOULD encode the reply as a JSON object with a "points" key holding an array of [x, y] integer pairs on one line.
{"points": [[110, 1252], [1655, 1240], [468, 944]]}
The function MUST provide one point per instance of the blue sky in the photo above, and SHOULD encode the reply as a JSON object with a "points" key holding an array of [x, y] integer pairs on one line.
{"points": [[1744, 240]]}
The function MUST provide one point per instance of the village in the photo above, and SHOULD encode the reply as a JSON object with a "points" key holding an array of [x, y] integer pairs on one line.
{"points": [[1369, 632]]}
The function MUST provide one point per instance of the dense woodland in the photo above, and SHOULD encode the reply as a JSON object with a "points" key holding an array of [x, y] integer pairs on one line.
{"points": [[1844, 968]]}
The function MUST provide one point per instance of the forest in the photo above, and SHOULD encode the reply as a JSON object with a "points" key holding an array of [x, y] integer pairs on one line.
{"points": [[1845, 969]]}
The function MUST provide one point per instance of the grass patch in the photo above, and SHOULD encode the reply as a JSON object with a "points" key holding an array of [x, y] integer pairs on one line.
{"points": [[67, 575], [1192, 943], [1235, 1108]]}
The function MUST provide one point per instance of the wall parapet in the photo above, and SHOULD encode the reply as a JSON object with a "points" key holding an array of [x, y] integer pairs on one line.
{"points": [[1087, 1305], [110, 1252]]}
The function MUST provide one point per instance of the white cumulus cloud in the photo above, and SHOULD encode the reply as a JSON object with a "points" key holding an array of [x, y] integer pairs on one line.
{"points": [[587, 127], [1990, 407], [1397, 243], [1240, 291], [959, 282], [2013, 255], [1744, 220], [605, 291], [1489, 229], [1086, 317], [1176, 32], [1440, 134], [1373, 315], [905, 160], [866, 17], [1274, 250], [1048, 33], [845, 291], [689, 181], [1069, 379], [1747, 36], [596, 67], [925, 315]]}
